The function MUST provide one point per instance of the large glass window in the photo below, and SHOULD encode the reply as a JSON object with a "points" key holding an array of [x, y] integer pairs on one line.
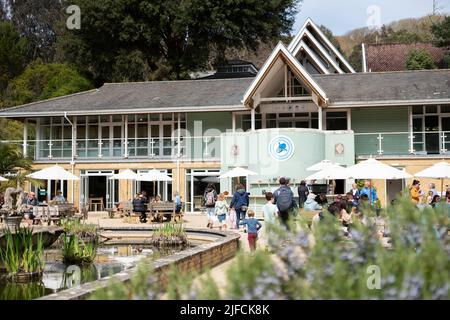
{"points": [[336, 120]]}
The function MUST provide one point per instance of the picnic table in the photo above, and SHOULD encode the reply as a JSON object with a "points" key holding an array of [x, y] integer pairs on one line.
{"points": [[54, 213], [165, 209]]}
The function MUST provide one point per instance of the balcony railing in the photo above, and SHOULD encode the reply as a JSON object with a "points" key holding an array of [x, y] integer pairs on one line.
{"points": [[185, 148], [402, 143]]}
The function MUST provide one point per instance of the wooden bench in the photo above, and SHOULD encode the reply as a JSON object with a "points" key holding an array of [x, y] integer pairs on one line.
{"points": [[162, 210]]}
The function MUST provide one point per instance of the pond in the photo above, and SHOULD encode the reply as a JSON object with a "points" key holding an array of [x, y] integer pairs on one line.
{"points": [[111, 259]]}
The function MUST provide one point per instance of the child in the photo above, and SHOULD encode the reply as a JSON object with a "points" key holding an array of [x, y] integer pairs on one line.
{"points": [[270, 211], [221, 210], [253, 226]]}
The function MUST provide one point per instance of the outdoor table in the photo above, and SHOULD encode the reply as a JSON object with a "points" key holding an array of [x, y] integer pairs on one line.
{"points": [[95, 203]]}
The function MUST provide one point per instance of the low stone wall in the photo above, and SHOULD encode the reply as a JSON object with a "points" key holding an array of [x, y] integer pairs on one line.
{"points": [[196, 259]]}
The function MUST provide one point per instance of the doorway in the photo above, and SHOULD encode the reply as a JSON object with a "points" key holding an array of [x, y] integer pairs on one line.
{"points": [[393, 189], [196, 182], [96, 184]]}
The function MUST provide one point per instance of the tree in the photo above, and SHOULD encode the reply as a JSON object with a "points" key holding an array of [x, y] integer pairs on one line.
{"points": [[176, 36], [11, 160], [12, 54], [419, 59], [441, 32], [43, 81], [36, 20]]}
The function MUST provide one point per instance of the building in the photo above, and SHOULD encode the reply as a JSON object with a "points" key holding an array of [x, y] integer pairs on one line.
{"points": [[305, 104]]}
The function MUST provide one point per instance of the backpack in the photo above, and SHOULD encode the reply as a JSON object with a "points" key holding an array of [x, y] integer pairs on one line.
{"points": [[210, 199], [284, 199]]}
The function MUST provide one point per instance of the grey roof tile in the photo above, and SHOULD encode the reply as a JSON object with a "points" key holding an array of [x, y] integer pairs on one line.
{"points": [[386, 86], [145, 96]]}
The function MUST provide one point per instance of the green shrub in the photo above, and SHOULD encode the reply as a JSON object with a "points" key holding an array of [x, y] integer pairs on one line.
{"points": [[333, 264]]}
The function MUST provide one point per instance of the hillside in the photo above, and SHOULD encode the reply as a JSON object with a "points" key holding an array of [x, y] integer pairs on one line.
{"points": [[419, 27]]}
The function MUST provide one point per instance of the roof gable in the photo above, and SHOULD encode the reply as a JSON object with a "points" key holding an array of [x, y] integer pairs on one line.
{"points": [[280, 53], [296, 44]]}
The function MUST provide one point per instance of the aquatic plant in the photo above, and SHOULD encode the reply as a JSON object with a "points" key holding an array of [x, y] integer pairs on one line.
{"points": [[169, 234], [83, 230], [20, 254], [76, 251]]}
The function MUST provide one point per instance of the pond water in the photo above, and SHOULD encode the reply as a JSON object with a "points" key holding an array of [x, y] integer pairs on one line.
{"points": [[111, 259]]}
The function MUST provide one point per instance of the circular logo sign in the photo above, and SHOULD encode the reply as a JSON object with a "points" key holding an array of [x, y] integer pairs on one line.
{"points": [[281, 148]]}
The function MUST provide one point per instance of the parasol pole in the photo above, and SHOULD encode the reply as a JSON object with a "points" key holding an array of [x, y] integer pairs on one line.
{"points": [[442, 187]]}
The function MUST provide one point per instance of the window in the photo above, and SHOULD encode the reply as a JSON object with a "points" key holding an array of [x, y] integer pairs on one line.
{"points": [[336, 120], [247, 121]]}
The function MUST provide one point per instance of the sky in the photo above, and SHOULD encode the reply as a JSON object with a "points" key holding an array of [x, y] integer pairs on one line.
{"points": [[342, 16]]}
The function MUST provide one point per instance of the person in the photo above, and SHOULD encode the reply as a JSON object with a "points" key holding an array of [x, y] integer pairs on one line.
{"points": [[369, 191], [344, 216], [435, 201], [270, 212], [59, 197], [145, 196], [311, 204], [221, 210], [414, 192], [355, 192], [321, 199], [157, 199], [240, 202], [303, 192], [253, 226], [432, 188], [430, 197], [351, 200], [30, 202], [140, 206], [284, 199], [178, 204], [209, 200]]}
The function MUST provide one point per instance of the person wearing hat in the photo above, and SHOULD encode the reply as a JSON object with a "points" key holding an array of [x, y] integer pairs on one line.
{"points": [[414, 192]]}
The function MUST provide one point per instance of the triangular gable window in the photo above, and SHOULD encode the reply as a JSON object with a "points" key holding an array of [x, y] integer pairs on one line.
{"points": [[295, 88]]}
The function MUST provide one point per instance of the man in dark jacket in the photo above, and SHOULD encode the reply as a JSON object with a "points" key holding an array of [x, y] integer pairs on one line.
{"points": [[140, 206], [303, 192], [284, 199], [240, 202]]}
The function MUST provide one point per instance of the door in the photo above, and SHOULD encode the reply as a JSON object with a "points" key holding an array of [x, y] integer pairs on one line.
{"points": [[432, 134], [116, 140], [445, 124], [84, 190]]}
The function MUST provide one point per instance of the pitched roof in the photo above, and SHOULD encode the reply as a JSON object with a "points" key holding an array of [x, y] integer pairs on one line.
{"points": [[392, 57], [378, 88], [151, 96]]}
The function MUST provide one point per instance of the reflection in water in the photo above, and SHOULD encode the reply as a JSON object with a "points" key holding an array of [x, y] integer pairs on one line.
{"points": [[111, 259]]}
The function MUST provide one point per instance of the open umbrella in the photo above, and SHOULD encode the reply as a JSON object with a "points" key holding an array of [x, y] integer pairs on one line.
{"points": [[53, 173], [3, 179], [238, 172], [211, 179], [331, 172], [125, 175], [153, 176], [374, 169], [439, 170], [321, 165]]}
